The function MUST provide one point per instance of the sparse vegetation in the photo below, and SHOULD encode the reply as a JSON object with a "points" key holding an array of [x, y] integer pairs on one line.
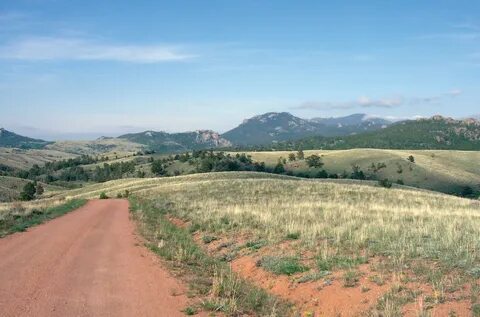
{"points": [[287, 265], [18, 219]]}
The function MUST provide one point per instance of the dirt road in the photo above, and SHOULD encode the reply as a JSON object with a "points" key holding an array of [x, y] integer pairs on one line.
{"points": [[86, 263]]}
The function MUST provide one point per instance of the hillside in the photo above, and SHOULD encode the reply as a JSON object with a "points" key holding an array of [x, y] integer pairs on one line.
{"points": [[11, 187], [102, 146], [177, 142], [24, 159], [359, 248], [438, 170], [283, 126], [435, 133], [13, 140]]}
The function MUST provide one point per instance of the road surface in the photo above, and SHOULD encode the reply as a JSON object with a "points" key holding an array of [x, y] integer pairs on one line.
{"points": [[86, 263]]}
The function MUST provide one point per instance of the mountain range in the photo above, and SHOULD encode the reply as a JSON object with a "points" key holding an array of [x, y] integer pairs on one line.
{"points": [[283, 126], [11, 139], [282, 130]]}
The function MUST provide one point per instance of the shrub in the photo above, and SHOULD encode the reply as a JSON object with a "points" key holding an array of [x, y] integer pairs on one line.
{"points": [[411, 159], [28, 192], [103, 195], [279, 169], [207, 239], [39, 190], [293, 235], [314, 161], [119, 195], [300, 155], [350, 279], [385, 183]]}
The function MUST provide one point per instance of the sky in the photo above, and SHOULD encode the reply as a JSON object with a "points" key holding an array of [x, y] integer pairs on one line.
{"points": [[82, 69]]}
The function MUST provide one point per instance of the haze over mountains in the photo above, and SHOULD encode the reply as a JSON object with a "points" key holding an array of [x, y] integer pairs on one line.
{"points": [[284, 130]]}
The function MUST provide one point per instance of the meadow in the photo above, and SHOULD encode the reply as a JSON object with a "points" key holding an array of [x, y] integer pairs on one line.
{"points": [[439, 170], [392, 247]]}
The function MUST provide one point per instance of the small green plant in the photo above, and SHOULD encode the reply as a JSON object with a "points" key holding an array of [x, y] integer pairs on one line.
{"points": [[313, 276], [293, 235], [476, 310], [119, 195], [339, 262], [256, 245], [350, 278], [190, 311], [208, 239], [282, 265], [103, 195]]}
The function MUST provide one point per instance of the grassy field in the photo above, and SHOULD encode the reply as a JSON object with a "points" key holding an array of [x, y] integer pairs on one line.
{"points": [[109, 147], [395, 247], [444, 171], [10, 188], [25, 159], [400, 234]]}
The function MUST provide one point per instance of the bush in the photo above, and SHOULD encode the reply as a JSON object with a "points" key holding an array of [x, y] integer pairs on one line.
{"points": [[28, 192], [314, 161], [103, 195], [293, 235], [385, 183], [279, 169]]}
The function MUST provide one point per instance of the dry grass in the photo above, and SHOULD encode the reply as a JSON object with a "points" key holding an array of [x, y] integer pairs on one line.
{"points": [[25, 159], [344, 218], [433, 169]]}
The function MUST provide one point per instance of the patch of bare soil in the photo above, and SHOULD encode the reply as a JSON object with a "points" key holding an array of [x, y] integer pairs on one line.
{"points": [[86, 263]]}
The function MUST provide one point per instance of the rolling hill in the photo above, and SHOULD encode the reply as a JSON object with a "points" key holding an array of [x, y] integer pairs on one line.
{"points": [[438, 170], [434, 133], [13, 140], [177, 142], [276, 127], [355, 246]]}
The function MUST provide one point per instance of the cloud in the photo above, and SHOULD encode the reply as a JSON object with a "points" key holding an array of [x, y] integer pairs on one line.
{"points": [[367, 102], [454, 92], [52, 48], [456, 36], [467, 26]]}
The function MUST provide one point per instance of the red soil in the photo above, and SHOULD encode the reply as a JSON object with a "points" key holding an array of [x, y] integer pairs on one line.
{"points": [[86, 263]]}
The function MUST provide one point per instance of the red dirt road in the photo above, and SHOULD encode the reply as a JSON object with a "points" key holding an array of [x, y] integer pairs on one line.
{"points": [[86, 263]]}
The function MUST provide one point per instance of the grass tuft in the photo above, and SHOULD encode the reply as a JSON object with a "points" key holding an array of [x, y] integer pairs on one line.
{"points": [[287, 265]]}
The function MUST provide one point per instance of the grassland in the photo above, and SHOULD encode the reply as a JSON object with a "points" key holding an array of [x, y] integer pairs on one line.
{"points": [[402, 244], [443, 171], [10, 188], [109, 146], [25, 159]]}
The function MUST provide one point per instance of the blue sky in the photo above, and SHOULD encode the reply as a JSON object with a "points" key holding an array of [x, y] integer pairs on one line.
{"points": [[78, 69]]}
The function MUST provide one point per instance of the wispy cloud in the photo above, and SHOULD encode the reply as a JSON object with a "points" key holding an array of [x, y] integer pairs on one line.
{"points": [[457, 36], [55, 48], [467, 26], [367, 102]]}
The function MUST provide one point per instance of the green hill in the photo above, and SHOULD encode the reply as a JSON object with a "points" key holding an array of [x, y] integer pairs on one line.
{"points": [[438, 170], [434, 133], [164, 142], [13, 140]]}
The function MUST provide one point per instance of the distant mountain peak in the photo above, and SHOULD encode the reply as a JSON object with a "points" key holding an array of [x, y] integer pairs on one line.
{"points": [[282, 126]]}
